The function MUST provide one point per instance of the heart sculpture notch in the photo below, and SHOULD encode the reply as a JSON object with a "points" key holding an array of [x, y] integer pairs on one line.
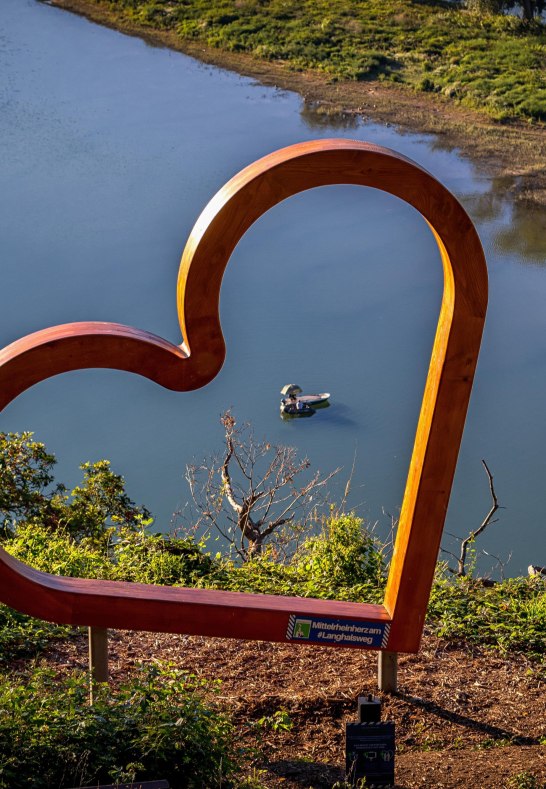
{"points": [[395, 625]]}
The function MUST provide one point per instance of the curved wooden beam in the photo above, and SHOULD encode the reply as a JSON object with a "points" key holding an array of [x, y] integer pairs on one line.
{"points": [[199, 358]]}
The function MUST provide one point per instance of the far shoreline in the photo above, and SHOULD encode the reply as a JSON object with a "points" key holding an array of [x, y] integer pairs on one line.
{"points": [[514, 152]]}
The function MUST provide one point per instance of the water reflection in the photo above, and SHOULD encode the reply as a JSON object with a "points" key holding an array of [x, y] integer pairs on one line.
{"points": [[520, 226], [317, 115], [524, 234], [341, 415], [493, 204]]}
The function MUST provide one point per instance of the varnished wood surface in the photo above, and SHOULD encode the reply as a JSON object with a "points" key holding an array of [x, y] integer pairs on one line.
{"points": [[165, 609], [200, 356]]}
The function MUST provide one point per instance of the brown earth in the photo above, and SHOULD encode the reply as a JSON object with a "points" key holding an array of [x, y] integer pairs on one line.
{"points": [[464, 717], [514, 151]]}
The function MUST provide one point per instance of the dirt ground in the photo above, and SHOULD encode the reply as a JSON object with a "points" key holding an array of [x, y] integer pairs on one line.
{"points": [[464, 718], [514, 151]]}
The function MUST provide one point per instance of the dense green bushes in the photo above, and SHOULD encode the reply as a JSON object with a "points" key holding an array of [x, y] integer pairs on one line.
{"points": [[29, 493], [510, 615], [342, 562], [163, 723], [489, 62], [23, 636], [123, 554], [96, 531], [160, 724]]}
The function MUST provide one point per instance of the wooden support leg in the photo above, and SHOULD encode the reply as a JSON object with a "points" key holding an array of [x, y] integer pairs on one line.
{"points": [[387, 671], [98, 657]]}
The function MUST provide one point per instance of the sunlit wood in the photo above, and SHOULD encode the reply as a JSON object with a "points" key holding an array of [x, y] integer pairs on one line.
{"points": [[199, 357]]}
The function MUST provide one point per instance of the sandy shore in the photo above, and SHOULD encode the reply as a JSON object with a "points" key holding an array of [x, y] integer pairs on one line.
{"points": [[515, 152]]}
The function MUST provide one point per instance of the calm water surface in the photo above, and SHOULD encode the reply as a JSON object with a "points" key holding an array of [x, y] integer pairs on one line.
{"points": [[110, 148]]}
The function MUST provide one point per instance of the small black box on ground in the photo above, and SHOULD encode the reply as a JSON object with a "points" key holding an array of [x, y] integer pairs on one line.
{"points": [[369, 709], [369, 750]]}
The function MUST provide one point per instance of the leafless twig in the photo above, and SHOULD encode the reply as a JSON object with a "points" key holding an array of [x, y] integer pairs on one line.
{"points": [[461, 562]]}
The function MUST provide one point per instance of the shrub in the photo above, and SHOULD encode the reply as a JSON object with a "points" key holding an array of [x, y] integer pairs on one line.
{"points": [[161, 723], [511, 615], [58, 553], [343, 562], [343, 557], [160, 559], [130, 555], [23, 636]]}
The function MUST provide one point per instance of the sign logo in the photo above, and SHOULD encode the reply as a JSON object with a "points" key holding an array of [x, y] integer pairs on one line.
{"points": [[302, 628]]}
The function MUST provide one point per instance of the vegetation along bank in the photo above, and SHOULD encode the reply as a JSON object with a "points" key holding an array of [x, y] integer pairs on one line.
{"points": [[476, 78], [470, 704]]}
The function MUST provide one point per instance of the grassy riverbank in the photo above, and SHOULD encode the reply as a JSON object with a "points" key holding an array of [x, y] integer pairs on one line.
{"points": [[479, 82]]}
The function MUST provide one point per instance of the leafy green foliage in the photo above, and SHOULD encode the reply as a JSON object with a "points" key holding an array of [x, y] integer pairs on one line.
{"points": [[278, 721], [490, 62], [101, 501], [511, 615], [130, 555], [58, 552], [27, 493], [526, 780], [161, 559], [162, 722], [23, 636], [102, 534], [344, 562], [343, 556], [26, 471]]}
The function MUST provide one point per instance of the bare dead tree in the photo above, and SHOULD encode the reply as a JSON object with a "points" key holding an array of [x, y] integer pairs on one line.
{"points": [[471, 538], [251, 493]]}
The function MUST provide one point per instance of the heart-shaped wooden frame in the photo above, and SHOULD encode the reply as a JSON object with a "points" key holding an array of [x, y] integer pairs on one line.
{"points": [[397, 624]]}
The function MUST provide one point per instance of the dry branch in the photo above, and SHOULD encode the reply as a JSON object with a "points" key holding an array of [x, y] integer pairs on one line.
{"points": [[249, 492]]}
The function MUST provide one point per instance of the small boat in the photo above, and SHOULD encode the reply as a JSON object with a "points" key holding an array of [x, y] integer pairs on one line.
{"points": [[293, 396], [314, 400], [290, 407]]}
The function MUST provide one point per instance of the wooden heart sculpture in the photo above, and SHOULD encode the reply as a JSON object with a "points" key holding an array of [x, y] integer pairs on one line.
{"points": [[397, 624]]}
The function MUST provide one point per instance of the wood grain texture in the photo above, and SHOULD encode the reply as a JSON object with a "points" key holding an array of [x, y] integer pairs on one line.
{"points": [[199, 357], [164, 609]]}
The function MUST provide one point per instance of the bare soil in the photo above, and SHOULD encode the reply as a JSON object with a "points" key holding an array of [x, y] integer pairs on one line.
{"points": [[465, 717], [513, 151]]}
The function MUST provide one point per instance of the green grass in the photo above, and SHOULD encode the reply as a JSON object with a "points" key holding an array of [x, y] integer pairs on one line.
{"points": [[492, 63]]}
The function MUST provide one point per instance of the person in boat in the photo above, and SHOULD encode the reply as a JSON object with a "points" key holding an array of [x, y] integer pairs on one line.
{"points": [[299, 405]]}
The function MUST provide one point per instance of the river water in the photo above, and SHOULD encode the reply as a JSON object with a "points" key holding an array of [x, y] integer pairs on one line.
{"points": [[110, 148]]}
